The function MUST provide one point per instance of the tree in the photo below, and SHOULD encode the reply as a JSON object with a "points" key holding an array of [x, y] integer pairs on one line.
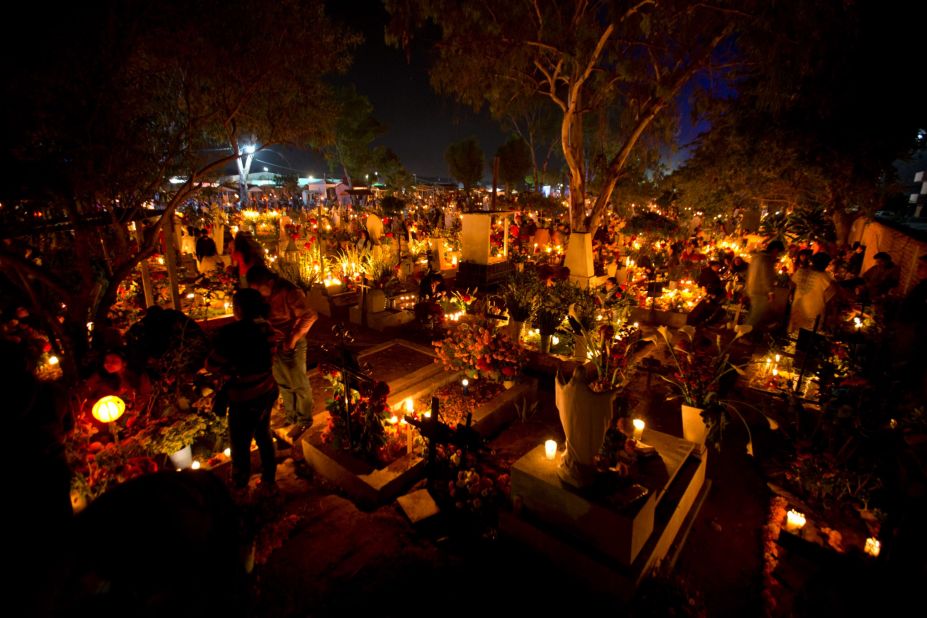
{"points": [[821, 116], [465, 162], [354, 133], [537, 124], [632, 59], [122, 96], [514, 162]]}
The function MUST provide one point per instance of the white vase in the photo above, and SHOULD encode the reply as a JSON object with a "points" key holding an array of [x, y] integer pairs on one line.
{"points": [[694, 428], [183, 458], [585, 416]]}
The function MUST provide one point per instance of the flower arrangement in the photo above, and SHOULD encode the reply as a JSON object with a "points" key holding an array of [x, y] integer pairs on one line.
{"points": [[481, 351], [609, 353], [700, 366], [520, 293], [369, 438]]}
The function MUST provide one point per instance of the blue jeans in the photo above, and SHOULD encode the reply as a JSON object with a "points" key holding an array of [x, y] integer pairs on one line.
{"points": [[290, 373]]}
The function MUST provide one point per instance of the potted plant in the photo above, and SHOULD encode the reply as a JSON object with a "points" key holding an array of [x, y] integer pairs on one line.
{"points": [[700, 364], [175, 434], [520, 293]]}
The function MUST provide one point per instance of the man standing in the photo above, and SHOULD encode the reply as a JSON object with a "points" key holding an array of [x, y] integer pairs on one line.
{"points": [[760, 279], [290, 317]]}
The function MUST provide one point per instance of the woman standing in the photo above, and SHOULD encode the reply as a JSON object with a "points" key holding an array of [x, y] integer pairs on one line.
{"points": [[243, 353]]}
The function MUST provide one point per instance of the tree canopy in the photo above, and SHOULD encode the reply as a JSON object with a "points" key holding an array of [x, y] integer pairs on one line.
{"points": [[114, 98], [465, 162], [820, 117], [631, 59], [514, 162]]}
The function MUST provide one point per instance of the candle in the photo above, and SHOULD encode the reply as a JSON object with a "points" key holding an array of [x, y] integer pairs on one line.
{"points": [[409, 405], [227, 452], [465, 383], [550, 449], [408, 435], [794, 521], [196, 465], [873, 547], [638, 429]]}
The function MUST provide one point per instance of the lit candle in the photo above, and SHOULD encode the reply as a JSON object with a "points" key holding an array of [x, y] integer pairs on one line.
{"points": [[196, 465], [409, 405], [52, 360], [550, 449], [227, 452], [873, 547], [638, 429], [408, 427], [794, 521], [465, 383]]}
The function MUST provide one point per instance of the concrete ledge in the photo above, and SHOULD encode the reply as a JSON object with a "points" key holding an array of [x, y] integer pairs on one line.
{"points": [[364, 484], [491, 417]]}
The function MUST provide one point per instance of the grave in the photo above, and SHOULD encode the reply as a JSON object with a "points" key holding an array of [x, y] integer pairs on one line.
{"points": [[616, 531], [412, 373]]}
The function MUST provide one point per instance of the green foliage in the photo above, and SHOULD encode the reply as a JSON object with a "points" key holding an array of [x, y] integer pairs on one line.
{"points": [[465, 161], [611, 71], [99, 123], [521, 295]]}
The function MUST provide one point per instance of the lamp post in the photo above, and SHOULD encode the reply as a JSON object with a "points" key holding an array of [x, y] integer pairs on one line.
{"points": [[245, 157]]}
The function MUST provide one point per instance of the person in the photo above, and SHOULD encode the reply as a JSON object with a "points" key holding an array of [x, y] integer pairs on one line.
{"points": [[803, 259], [814, 289], [364, 243], [115, 378], [855, 263], [243, 353], [761, 276], [881, 278], [290, 316], [611, 291], [708, 308], [207, 257], [246, 253]]}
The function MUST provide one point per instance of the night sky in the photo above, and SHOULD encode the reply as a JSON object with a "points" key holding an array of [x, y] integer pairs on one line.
{"points": [[420, 124]]}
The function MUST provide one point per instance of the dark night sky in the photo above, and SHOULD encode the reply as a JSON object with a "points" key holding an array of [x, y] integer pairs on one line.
{"points": [[420, 124]]}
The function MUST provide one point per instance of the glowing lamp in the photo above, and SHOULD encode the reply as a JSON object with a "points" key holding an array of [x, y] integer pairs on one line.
{"points": [[794, 521], [108, 409], [638, 429], [550, 449]]}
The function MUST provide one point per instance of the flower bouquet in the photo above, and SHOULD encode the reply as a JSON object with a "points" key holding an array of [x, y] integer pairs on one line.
{"points": [[481, 351], [700, 366]]}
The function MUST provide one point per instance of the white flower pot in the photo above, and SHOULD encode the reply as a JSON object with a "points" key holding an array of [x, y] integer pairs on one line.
{"points": [[183, 458], [694, 428]]}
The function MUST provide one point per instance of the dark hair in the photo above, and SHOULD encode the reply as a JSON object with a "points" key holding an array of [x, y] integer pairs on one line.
{"points": [[881, 255], [259, 273], [819, 261], [612, 280], [250, 304], [775, 245], [248, 247]]}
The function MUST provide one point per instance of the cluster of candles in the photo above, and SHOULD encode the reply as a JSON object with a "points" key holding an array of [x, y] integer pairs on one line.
{"points": [[550, 446], [402, 426], [795, 521], [770, 368]]}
